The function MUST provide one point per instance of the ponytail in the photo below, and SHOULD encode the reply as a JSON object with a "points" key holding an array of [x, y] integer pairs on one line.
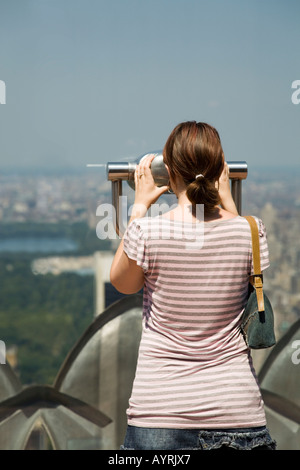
{"points": [[203, 191], [194, 148]]}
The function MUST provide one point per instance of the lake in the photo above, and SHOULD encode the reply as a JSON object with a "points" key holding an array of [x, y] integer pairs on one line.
{"points": [[37, 245]]}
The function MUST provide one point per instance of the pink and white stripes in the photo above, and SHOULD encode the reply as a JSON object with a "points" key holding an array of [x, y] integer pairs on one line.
{"points": [[194, 369]]}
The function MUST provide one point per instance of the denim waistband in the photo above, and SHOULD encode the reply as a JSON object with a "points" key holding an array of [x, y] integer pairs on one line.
{"points": [[138, 438]]}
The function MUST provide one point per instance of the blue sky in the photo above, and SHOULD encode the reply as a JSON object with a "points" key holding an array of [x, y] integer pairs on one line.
{"points": [[99, 80]]}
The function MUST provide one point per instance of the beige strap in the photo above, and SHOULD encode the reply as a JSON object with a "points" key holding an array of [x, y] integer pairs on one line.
{"points": [[256, 278]]}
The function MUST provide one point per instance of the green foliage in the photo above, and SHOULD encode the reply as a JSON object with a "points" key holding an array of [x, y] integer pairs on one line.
{"points": [[43, 316]]}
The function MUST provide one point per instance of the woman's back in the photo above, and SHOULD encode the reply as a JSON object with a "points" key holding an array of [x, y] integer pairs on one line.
{"points": [[194, 368]]}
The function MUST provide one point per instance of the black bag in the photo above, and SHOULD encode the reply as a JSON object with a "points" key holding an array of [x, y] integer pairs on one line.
{"points": [[257, 322]]}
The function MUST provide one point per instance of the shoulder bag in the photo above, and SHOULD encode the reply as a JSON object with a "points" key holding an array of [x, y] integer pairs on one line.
{"points": [[257, 322]]}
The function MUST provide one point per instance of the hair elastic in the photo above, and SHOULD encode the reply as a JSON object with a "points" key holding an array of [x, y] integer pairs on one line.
{"points": [[199, 176]]}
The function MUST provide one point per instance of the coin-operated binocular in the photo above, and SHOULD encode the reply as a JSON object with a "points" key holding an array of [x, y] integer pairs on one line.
{"points": [[117, 172]]}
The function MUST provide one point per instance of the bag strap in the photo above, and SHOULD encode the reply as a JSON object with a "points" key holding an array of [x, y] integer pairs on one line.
{"points": [[256, 279]]}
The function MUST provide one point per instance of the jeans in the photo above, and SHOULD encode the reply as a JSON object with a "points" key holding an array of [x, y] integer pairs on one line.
{"points": [[194, 439]]}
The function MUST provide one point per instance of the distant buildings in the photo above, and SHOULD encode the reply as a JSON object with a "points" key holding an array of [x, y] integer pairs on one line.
{"points": [[73, 198]]}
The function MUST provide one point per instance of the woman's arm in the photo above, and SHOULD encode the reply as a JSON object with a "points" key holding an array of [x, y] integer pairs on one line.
{"points": [[125, 275]]}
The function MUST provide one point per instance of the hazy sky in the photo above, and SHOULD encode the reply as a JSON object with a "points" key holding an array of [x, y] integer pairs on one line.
{"points": [[98, 80]]}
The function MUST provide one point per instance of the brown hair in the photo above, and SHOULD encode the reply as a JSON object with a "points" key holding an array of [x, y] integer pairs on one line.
{"points": [[195, 148]]}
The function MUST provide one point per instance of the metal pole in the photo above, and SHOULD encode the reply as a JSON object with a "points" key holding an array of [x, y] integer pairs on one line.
{"points": [[116, 193], [236, 191]]}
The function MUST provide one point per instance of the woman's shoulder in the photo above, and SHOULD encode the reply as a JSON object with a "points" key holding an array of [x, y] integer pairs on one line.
{"points": [[141, 225], [146, 224], [260, 224]]}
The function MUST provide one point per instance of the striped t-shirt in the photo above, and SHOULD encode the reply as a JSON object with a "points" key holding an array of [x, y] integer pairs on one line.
{"points": [[194, 369]]}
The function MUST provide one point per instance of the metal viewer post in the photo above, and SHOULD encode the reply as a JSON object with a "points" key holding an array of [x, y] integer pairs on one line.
{"points": [[119, 171]]}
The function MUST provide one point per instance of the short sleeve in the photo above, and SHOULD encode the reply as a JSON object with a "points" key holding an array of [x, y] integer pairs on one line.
{"points": [[135, 245], [263, 244]]}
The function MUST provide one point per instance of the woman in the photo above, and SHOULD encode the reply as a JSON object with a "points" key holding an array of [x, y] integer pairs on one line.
{"points": [[195, 386]]}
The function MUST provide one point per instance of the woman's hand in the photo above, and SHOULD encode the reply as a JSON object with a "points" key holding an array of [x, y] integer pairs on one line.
{"points": [[146, 191], [224, 189]]}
